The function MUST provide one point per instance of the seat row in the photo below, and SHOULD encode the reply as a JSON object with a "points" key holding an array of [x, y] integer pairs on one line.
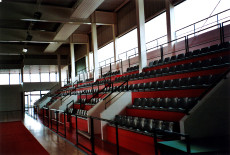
{"points": [[166, 104], [111, 73], [133, 68], [144, 124], [182, 68], [85, 101], [189, 55], [183, 83]]}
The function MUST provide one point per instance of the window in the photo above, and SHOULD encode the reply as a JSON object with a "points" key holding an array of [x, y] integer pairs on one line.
{"points": [[154, 29], [189, 12], [105, 53], [4, 79], [35, 77], [125, 43], [26, 77], [53, 77], [14, 79], [45, 77], [91, 61]]}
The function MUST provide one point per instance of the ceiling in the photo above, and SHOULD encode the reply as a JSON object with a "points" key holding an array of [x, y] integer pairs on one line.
{"points": [[38, 24]]}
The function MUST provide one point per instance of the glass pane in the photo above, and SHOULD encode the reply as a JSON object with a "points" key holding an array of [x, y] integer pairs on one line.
{"points": [[26, 77], [44, 77], [14, 79], [35, 78], [4, 79], [53, 77]]}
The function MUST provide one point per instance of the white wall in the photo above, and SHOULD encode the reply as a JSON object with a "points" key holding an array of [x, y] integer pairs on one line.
{"points": [[11, 98]]}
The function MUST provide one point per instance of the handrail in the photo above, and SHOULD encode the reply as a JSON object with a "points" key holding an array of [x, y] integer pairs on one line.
{"points": [[68, 105], [114, 91], [131, 56], [105, 60], [102, 90], [202, 20], [127, 52]]}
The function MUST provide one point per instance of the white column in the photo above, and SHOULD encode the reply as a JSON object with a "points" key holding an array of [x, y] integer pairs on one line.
{"points": [[72, 62], [141, 34], [95, 51], [114, 42], [170, 20], [59, 69]]}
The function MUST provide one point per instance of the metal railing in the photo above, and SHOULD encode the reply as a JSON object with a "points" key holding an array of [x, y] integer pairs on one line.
{"points": [[91, 136], [114, 90], [45, 117], [57, 120]]}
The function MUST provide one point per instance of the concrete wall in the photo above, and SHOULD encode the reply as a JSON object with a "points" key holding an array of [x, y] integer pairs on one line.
{"points": [[210, 117], [11, 98], [36, 86]]}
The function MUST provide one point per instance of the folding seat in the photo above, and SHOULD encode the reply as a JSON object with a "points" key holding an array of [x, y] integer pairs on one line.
{"points": [[173, 58], [136, 122], [193, 82], [143, 124], [215, 61], [165, 103], [196, 65], [204, 50], [166, 60], [214, 48], [141, 87], [136, 76], [159, 124], [148, 86], [191, 103], [128, 70], [129, 122], [147, 74], [151, 125], [179, 68], [180, 56], [152, 73], [205, 63], [131, 87], [225, 60], [182, 103], [165, 71], [158, 72], [188, 55], [153, 86], [160, 85], [205, 81], [123, 120], [175, 84], [184, 83], [141, 75], [159, 104], [187, 67], [143, 102], [167, 84], [118, 119], [213, 78], [160, 62], [150, 102], [172, 69], [155, 63], [224, 45], [135, 87], [196, 52], [173, 104], [168, 126], [151, 64]]}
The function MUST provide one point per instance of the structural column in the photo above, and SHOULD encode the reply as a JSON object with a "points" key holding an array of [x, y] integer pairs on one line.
{"points": [[72, 62], [22, 77], [95, 50], [141, 34], [59, 69], [114, 42], [87, 63], [170, 20]]}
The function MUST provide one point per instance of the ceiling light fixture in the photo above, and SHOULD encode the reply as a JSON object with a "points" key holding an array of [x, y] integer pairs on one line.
{"points": [[24, 50]]}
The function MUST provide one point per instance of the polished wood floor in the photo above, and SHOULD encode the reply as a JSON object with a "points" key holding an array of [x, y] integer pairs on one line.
{"points": [[53, 143]]}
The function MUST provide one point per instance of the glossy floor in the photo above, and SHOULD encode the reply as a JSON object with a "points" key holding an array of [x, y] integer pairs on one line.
{"points": [[52, 142]]}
